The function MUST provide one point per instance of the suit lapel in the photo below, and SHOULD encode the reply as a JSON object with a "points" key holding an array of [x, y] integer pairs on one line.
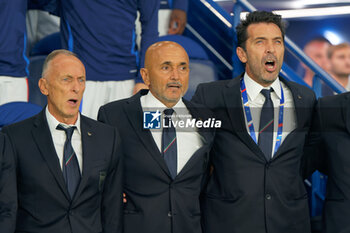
{"points": [[43, 139], [196, 114], [88, 151], [134, 112], [206, 134], [298, 100], [299, 106], [233, 102]]}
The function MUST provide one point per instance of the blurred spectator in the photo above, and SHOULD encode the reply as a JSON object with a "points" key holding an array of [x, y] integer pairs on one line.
{"points": [[339, 58], [102, 34], [172, 18], [178, 17], [13, 60], [316, 49]]}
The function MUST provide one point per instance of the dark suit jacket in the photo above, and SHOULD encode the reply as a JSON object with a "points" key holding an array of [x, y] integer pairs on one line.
{"points": [[44, 204], [8, 192], [246, 193], [156, 202], [332, 150]]}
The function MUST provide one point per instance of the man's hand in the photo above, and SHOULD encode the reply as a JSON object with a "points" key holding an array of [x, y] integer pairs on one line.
{"points": [[177, 22]]}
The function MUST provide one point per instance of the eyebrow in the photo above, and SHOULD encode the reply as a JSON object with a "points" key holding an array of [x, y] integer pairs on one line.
{"points": [[67, 76], [264, 38], [169, 63], [70, 76]]}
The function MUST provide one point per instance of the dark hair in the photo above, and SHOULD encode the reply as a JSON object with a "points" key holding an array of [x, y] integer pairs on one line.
{"points": [[257, 17]]}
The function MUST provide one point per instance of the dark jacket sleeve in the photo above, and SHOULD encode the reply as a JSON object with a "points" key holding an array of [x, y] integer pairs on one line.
{"points": [[314, 157], [149, 24], [8, 191]]}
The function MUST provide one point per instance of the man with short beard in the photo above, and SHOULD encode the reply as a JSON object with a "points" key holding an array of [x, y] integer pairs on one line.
{"points": [[163, 178], [256, 185]]}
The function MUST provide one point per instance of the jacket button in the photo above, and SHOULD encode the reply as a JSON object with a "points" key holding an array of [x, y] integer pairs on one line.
{"points": [[170, 214], [268, 196]]}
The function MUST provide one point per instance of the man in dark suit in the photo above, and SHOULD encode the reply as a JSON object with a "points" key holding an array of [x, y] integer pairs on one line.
{"points": [[256, 185], [163, 178], [68, 166], [330, 154], [8, 194]]}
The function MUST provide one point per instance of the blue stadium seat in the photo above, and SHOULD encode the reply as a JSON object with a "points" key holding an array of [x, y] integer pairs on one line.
{"points": [[193, 49], [316, 187], [319, 184], [201, 68], [46, 45], [17, 111], [35, 69], [36, 60]]}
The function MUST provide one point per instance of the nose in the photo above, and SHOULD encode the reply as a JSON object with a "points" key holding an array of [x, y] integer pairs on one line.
{"points": [[175, 74], [76, 85], [270, 48]]}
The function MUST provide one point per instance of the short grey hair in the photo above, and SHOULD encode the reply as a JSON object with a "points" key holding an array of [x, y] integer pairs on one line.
{"points": [[52, 55]]}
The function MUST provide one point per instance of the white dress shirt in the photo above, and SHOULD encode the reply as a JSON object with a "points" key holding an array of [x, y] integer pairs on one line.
{"points": [[188, 140], [59, 138], [256, 101]]}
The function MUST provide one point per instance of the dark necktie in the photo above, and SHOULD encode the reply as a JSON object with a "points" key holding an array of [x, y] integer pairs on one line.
{"points": [[71, 172], [169, 144], [266, 125]]}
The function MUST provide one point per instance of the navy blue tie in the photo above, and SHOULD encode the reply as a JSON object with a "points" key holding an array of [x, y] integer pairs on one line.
{"points": [[266, 125], [71, 172], [169, 144]]}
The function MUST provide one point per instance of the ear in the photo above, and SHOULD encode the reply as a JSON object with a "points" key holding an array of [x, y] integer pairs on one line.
{"points": [[242, 55], [145, 76], [43, 86]]}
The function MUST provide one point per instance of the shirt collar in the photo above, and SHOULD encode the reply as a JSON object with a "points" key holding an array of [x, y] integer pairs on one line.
{"points": [[151, 102], [53, 123], [348, 85], [254, 88]]}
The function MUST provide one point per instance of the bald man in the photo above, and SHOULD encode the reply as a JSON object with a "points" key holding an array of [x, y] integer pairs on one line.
{"points": [[165, 166], [68, 166]]}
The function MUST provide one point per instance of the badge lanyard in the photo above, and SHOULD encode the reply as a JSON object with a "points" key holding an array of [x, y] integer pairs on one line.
{"points": [[250, 120]]}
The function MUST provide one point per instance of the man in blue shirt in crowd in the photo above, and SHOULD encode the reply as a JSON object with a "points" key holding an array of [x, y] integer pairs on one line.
{"points": [[102, 34], [13, 60]]}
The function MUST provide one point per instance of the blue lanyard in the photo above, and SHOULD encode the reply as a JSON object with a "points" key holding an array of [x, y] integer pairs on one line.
{"points": [[250, 120]]}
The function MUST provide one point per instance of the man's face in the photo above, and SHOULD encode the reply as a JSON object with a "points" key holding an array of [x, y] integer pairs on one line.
{"points": [[64, 85], [340, 62], [264, 52], [317, 51], [166, 72]]}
